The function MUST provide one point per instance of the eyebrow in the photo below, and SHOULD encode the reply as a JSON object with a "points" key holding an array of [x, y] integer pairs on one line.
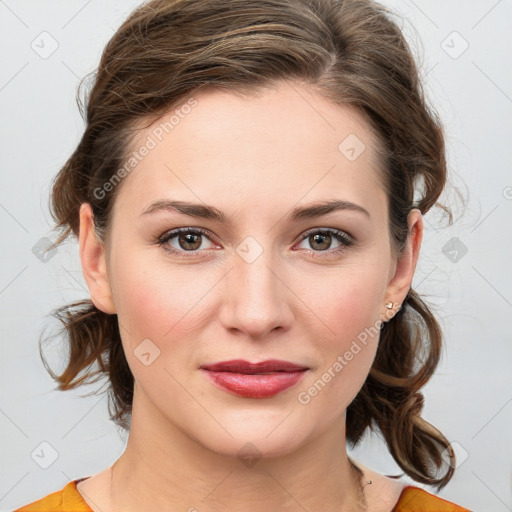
{"points": [[210, 212]]}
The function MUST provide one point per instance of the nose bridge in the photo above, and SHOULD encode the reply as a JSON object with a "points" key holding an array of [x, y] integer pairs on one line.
{"points": [[257, 299]]}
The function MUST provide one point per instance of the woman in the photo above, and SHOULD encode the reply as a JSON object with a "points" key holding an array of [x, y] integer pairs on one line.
{"points": [[244, 199]]}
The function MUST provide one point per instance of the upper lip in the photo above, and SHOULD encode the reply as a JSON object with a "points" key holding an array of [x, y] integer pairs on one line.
{"points": [[241, 366]]}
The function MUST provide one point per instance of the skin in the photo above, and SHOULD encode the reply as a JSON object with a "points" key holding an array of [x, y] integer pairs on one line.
{"points": [[254, 159]]}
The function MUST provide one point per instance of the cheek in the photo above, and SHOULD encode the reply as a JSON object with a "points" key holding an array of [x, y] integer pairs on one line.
{"points": [[167, 306], [348, 306], [152, 298], [347, 301], [155, 306]]}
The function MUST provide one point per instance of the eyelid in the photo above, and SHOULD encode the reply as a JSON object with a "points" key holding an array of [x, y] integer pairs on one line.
{"points": [[173, 233], [342, 234], [346, 241]]}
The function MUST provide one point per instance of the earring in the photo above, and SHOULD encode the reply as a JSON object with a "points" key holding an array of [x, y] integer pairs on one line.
{"points": [[389, 305]]}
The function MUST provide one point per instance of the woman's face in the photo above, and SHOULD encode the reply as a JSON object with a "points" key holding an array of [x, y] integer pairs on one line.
{"points": [[260, 283]]}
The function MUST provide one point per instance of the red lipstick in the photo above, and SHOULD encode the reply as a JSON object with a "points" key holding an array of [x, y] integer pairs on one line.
{"points": [[254, 380]]}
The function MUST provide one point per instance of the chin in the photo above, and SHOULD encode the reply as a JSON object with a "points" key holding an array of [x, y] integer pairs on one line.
{"points": [[258, 438], [250, 450]]}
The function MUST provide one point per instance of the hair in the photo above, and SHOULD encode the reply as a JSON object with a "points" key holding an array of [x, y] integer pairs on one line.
{"points": [[351, 52]]}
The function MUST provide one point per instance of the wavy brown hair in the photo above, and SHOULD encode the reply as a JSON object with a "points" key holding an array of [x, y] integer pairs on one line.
{"points": [[349, 51]]}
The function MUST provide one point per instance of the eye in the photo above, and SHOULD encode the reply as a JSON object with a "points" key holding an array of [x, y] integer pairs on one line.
{"points": [[320, 240], [191, 240], [184, 240]]}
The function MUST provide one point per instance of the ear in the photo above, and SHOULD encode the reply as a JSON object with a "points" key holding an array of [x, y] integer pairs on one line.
{"points": [[93, 258], [401, 280]]}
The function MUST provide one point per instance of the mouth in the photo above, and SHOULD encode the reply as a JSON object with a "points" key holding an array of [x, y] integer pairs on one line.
{"points": [[245, 367], [254, 380]]}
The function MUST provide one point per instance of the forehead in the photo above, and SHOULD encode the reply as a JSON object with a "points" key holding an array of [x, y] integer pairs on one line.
{"points": [[279, 145]]}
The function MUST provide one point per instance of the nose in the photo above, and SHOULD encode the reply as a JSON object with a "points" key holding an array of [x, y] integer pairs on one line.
{"points": [[256, 297]]}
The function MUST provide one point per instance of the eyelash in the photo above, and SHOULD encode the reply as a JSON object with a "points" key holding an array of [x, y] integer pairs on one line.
{"points": [[342, 237]]}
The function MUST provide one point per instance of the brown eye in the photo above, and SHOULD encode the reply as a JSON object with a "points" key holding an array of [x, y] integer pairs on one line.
{"points": [[320, 241], [189, 241], [183, 240]]}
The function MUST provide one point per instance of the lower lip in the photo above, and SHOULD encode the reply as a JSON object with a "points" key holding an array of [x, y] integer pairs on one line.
{"points": [[255, 386]]}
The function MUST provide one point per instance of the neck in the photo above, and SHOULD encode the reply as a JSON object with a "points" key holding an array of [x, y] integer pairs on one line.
{"points": [[163, 469]]}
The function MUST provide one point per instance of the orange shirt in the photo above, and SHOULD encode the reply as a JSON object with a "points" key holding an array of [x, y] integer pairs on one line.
{"points": [[412, 499]]}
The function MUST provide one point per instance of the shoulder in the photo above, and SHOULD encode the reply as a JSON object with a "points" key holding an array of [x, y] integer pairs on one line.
{"points": [[414, 499], [389, 494], [67, 499]]}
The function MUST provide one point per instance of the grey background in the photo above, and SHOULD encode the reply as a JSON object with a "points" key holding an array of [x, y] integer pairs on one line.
{"points": [[464, 270]]}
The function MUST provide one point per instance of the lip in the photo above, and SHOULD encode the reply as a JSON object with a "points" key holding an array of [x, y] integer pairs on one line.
{"points": [[242, 366], [254, 380]]}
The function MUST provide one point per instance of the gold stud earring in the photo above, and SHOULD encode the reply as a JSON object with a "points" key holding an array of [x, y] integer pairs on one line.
{"points": [[389, 305]]}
